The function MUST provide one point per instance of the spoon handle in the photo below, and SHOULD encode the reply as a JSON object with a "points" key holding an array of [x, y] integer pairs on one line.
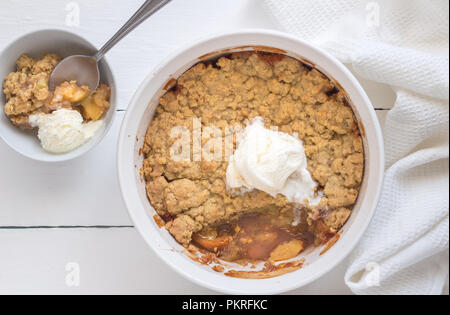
{"points": [[146, 10]]}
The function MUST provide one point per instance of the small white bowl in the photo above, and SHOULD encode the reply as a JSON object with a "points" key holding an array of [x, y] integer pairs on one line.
{"points": [[140, 113], [36, 44]]}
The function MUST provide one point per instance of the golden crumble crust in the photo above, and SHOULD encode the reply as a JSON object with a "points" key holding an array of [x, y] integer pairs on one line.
{"points": [[294, 97], [27, 89]]}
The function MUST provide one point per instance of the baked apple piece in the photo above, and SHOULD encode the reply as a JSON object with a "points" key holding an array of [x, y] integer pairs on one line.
{"points": [[93, 107]]}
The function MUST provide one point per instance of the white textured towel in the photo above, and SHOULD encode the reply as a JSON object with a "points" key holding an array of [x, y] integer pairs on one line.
{"points": [[403, 43]]}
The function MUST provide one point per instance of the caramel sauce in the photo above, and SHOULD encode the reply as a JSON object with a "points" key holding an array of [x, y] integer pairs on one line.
{"points": [[218, 268], [331, 243], [170, 84], [268, 271], [252, 237], [159, 222], [269, 58], [167, 217], [209, 55], [253, 48]]}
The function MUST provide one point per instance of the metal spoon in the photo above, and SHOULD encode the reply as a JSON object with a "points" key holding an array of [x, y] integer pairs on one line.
{"points": [[84, 69]]}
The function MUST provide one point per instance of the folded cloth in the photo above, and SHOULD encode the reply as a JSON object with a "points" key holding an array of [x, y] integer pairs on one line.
{"points": [[403, 43]]}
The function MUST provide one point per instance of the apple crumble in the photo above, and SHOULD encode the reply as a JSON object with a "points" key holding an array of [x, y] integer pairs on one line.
{"points": [[27, 93], [191, 195]]}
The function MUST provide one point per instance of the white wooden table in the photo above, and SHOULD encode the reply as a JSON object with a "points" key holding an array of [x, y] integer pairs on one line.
{"points": [[53, 215]]}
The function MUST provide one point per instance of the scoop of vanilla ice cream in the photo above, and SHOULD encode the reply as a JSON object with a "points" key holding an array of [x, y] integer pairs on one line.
{"points": [[271, 161], [63, 130]]}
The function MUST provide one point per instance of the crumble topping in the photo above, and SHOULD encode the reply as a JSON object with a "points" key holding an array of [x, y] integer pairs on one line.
{"points": [[191, 196], [27, 93]]}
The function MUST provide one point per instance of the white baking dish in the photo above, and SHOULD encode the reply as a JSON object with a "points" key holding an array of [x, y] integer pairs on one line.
{"points": [[140, 113]]}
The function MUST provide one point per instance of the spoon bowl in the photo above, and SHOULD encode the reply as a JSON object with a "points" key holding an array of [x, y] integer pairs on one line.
{"points": [[83, 69]]}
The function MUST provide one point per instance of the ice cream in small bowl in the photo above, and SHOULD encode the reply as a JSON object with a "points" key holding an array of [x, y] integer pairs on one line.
{"points": [[45, 124]]}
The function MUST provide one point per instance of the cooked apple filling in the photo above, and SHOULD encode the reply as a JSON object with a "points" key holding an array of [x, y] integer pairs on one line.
{"points": [[27, 93]]}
